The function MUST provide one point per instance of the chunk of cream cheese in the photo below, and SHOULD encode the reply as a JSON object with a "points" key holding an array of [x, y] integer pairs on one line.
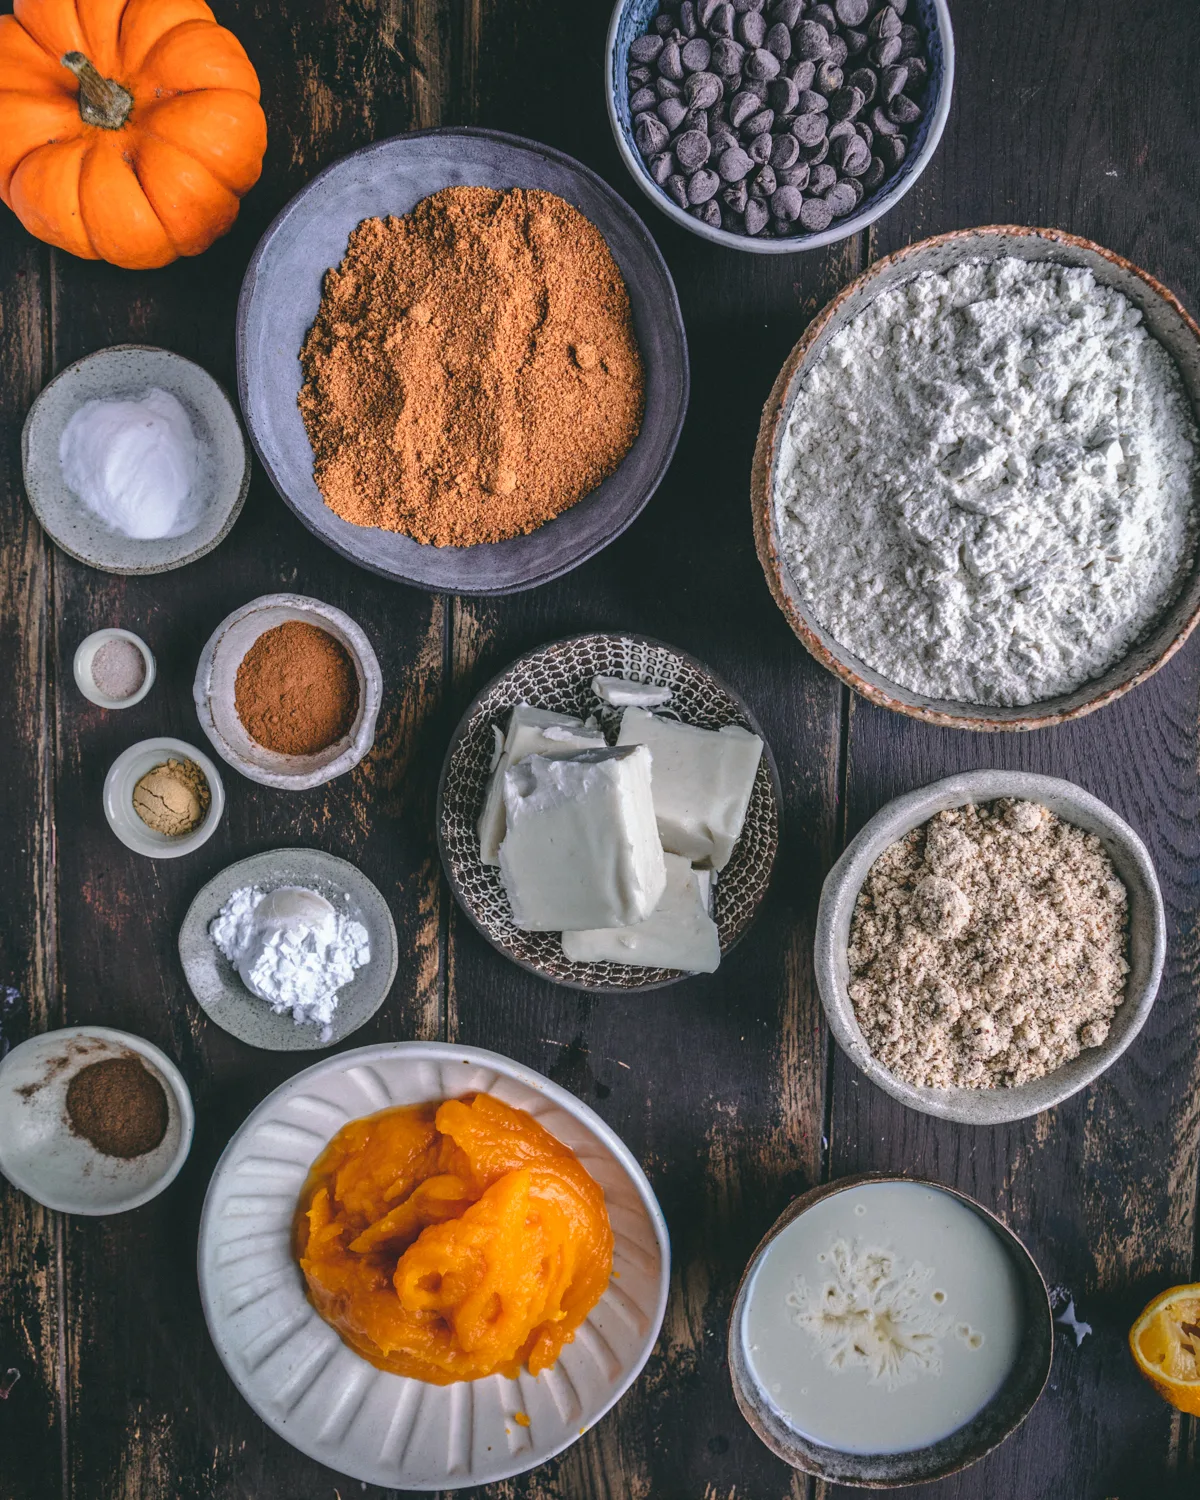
{"points": [[531, 731], [702, 783], [678, 934], [581, 848], [620, 692]]}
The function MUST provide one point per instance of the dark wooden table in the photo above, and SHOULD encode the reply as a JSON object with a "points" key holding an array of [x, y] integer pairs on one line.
{"points": [[727, 1088]]}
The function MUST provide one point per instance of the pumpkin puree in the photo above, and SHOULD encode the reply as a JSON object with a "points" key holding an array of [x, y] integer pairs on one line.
{"points": [[449, 1242]]}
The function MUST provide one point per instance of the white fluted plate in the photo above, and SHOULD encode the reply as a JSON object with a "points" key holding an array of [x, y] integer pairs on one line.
{"points": [[327, 1401]]}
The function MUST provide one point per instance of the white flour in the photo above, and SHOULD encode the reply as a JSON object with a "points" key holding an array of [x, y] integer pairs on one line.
{"points": [[987, 484]]}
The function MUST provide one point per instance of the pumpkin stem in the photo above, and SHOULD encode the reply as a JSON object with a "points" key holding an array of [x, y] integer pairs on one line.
{"points": [[101, 101]]}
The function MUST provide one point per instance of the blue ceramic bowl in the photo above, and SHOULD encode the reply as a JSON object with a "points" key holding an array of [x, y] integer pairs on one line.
{"points": [[633, 18], [281, 295]]}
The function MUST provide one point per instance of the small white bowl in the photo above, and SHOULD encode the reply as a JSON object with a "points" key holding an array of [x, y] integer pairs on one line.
{"points": [[125, 773], [85, 654], [40, 1152], [216, 678], [326, 1400]]}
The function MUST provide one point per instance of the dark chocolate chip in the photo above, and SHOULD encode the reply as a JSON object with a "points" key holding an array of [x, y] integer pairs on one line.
{"points": [[809, 130], [760, 148], [787, 12], [795, 176], [829, 78], [812, 103], [741, 6], [851, 12], [785, 151], [841, 199], [815, 215], [643, 100], [677, 186], [735, 197], [893, 149], [703, 90], [918, 74], [783, 95], [664, 24], [756, 217], [815, 155], [821, 178], [903, 110], [696, 119], [735, 164], [727, 56], [741, 107], [874, 175], [708, 213], [696, 54], [824, 16], [705, 10], [764, 120], [899, 6], [838, 51], [880, 123], [779, 41], [763, 64], [720, 23], [703, 185], [751, 29], [884, 52], [892, 81], [803, 72], [852, 155], [650, 135], [786, 203], [856, 42], [672, 112], [661, 167], [863, 130], [764, 182], [856, 187], [865, 80], [689, 24], [842, 129], [639, 77], [885, 22], [692, 150], [666, 88], [811, 39], [910, 42], [846, 103], [645, 49], [721, 139]]}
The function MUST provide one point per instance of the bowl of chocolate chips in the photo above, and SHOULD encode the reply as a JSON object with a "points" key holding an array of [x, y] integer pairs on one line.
{"points": [[778, 125]]}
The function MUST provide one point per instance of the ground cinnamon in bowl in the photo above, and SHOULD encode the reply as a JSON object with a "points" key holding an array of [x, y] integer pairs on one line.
{"points": [[118, 1106], [473, 370], [296, 690]]}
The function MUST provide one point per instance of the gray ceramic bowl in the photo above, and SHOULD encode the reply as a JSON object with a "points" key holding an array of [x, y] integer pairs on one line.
{"points": [[217, 985], [632, 18], [123, 372], [281, 295], [1166, 319], [1147, 940], [998, 1420]]}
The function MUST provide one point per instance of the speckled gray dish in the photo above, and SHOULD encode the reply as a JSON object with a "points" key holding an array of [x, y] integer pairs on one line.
{"points": [[216, 983], [1164, 316], [559, 677], [632, 18], [1147, 940], [124, 372], [998, 1420], [282, 292]]}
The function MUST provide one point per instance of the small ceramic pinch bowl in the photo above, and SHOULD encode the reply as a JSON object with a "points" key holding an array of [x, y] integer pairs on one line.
{"points": [[127, 372], [85, 655], [322, 1397], [1147, 940], [998, 1419], [125, 773], [218, 986], [633, 18], [282, 293], [1163, 316], [40, 1152], [216, 679]]}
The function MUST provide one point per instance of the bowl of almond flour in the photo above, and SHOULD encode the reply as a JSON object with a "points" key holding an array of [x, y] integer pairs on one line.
{"points": [[976, 489], [989, 945]]}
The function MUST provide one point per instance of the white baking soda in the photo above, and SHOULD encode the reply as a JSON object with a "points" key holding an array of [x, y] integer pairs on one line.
{"points": [[883, 1318]]}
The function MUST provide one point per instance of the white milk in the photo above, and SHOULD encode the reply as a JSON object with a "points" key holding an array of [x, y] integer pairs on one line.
{"points": [[882, 1319]]}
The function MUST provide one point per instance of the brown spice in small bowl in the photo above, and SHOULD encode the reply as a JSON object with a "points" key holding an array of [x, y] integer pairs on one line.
{"points": [[296, 690], [118, 1106]]}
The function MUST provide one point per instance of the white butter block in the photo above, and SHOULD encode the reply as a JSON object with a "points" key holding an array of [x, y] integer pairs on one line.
{"points": [[619, 692], [531, 731], [702, 782], [582, 847], [678, 934]]}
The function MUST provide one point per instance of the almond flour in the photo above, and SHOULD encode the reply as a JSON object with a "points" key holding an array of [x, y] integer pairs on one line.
{"points": [[988, 947]]}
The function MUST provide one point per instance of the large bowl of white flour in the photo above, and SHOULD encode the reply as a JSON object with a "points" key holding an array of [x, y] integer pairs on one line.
{"points": [[977, 484]]}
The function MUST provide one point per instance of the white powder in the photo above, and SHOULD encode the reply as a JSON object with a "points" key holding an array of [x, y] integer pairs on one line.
{"points": [[292, 949], [987, 484]]}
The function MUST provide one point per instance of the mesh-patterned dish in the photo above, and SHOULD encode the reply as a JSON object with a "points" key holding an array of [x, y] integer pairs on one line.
{"points": [[559, 677]]}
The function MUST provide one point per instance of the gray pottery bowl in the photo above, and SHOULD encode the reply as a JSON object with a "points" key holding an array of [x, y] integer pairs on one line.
{"points": [[632, 18], [217, 985], [281, 295], [998, 1420], [1147, 940], [122, 372], [1164, 317]]}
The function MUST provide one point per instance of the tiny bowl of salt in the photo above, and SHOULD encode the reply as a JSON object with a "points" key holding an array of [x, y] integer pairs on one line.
{"points": [[92, 1120], [947, 1011], [135, 460], [114, 668]]}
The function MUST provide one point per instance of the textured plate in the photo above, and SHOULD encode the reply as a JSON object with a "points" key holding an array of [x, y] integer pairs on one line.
{"points": [[323, 1398], [124, 371], [559, 677], [282, 292], [216, 983]]}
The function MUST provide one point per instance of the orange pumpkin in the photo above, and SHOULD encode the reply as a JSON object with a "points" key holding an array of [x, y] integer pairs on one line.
{"points": [[129, 129]]}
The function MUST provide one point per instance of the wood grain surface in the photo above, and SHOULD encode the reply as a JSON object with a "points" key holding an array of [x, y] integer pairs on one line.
{"points": [[726, 1087]]}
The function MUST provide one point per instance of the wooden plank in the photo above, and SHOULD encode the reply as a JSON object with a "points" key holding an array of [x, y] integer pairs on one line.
{"points": [[1050, 127], [152, 1411], [31, 1431]]}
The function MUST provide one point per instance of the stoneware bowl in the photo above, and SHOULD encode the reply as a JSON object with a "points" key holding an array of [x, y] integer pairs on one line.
{"points": [[998, 1420], [125, 773], [279, 302], [559, 677], [217, 985], [85, 655], [1164, 317], [40, 1152], [319, 1395], [127, 372], [216, 677], [633, 18], [1147, 940]]}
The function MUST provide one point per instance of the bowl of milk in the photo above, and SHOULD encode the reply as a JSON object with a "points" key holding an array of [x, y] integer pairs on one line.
{"points": [[888, 1331]]}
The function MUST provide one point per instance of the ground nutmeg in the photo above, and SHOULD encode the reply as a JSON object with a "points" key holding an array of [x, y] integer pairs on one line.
{"points": [[473, 369], [118, 1106], [296, 690]]}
